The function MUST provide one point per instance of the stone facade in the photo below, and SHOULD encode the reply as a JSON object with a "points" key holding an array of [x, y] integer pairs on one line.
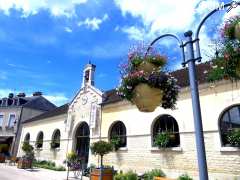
{"points": [[139, 154]]}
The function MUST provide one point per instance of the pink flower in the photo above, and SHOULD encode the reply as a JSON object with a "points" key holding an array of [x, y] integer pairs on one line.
{"points": [[226, 56]]}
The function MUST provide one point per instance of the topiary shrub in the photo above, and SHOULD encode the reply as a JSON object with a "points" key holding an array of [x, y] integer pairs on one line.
{"points": [[130, 175], [101, 148]]}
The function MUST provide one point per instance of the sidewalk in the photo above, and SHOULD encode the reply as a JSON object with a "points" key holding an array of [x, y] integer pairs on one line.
{"points": [[13, 173]]}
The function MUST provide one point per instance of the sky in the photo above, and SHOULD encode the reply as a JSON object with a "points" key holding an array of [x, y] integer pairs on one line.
{"points": [[45, 44]]}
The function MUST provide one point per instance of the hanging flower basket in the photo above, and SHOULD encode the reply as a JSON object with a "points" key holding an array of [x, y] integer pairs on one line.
{"points": [[145, 84], [231, 29], [147, 98], [237, 31]]}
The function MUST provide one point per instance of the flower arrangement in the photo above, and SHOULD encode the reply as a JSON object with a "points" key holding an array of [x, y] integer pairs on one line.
{"points": [[231, 28], [145, 83], [227, 65]]}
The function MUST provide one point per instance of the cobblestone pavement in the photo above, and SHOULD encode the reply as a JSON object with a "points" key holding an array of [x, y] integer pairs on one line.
{"points": [[13, 173]]}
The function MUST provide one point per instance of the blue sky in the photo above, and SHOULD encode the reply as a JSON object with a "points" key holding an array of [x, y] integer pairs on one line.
{"points": [[44, 44]]}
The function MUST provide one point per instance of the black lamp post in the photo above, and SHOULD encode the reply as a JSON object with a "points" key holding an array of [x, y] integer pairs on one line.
{"points": [[190, 60]]}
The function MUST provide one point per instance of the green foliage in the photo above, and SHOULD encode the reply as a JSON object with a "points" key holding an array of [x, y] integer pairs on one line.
{"points": [[184, 177], [27, 147], [162, 139], [115, 141], [55, 144], [233, 137], [153, 173], [48, 165], [130, 175], [228, 31], [101, 148], [4, 148], [132, 76], [28, 150]]}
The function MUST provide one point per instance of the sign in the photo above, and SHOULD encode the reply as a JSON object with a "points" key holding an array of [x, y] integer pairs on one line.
{"points": [[93, 115]]}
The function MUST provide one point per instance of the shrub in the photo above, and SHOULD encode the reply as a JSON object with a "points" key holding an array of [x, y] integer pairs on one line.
{"points": [[153, 173], [48, 165], [115, 141], [184, 177], [28, 150], [101, 148], [130, 175]]}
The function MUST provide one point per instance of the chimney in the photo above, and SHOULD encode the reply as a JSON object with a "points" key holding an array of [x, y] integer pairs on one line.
{"points": [[22, 94], [37, 93]]}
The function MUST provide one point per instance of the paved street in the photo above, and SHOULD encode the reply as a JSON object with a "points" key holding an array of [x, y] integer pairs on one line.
{"points": [[13, 173]]}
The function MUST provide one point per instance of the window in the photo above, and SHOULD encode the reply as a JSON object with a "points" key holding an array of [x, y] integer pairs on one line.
{"points": [[39, 140], [27, 138], [229, 121], [56, 139], [118, 133], [166, 124], [11, 120], [1, 120]]}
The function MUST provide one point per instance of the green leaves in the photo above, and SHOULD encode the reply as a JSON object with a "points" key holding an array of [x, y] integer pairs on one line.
{"points": [[162, 139], [233, 137], [101, 148]]}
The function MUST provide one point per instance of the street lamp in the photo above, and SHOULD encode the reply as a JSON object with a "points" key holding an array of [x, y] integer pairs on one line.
{"points": [[190, 61]]}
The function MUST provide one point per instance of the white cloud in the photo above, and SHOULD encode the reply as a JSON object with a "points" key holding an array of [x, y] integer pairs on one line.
{"points": [[31, 7], [68, 29], [57, 99], [3, 75], [93, 23], [5, 92]]}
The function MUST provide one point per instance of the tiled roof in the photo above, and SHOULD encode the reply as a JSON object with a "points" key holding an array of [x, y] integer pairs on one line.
{"points": [[181, 75], [57, 111]]}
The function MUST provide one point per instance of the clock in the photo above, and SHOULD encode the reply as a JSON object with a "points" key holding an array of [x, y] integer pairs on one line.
{"points": [[84, 100]]}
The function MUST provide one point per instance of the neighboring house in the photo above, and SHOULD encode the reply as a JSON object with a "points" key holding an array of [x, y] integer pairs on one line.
{"points": [[14, 110], [93, 115]]}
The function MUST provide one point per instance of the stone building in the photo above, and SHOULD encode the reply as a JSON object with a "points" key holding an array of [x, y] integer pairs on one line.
{"points": [[14, 110], [93, 114]]}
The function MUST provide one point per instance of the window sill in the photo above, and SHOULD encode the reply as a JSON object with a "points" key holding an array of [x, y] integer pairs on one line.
{"points": [[55, 149], [39, 149], [123, 149], [176, 149], [230, 149]]}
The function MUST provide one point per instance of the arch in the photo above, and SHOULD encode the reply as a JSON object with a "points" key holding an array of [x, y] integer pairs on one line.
{"points": [[82, 141], [229, 121], [56, 137], [166, 124], [27, 138], [118, 132], [39, 140]]}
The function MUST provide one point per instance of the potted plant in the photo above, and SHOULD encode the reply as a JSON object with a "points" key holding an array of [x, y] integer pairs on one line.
{"points": [[101, 148], [162, 139], [25, 162], [145, 83], [155, 174], [233, 137], [115, 141]]}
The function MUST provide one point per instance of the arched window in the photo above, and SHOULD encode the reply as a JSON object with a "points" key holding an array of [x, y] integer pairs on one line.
{"points": [[230, 126], [55, 143], [39, 140], [118, 135], [165, 132], [27, 138]]}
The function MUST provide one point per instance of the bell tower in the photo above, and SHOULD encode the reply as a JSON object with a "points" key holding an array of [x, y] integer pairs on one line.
{"points": [[88, 75]]}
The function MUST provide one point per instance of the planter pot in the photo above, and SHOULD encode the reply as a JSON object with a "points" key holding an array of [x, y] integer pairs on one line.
{"points": [[24, 164], [147, 98], [161, 178], [147, 67], [237, 31], [107, 174], [2, 158]]}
